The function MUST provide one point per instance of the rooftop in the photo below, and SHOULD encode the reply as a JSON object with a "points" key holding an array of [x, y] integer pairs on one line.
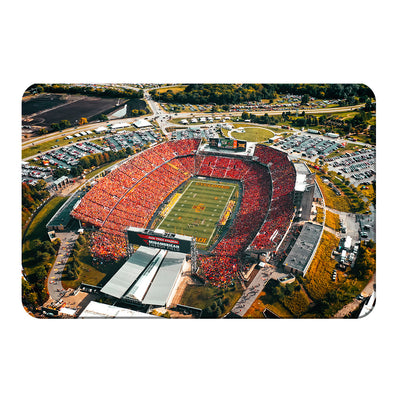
{"points": [[100, 310], [302, 250]]}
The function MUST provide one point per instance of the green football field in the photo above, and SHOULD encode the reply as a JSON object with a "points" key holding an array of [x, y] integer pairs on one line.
{"points": [[199, 209]]}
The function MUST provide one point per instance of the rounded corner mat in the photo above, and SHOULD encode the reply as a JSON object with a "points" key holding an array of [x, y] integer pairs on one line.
{"points": [[198, 201]]}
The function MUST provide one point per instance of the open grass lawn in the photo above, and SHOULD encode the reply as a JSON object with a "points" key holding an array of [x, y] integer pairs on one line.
{"points": [[369, 192], [199, 209], [173, 89], [340, 203], [320, 215], [37, 227], [37, 230], [204, 296], [90, 274], [332, 220], [318, 280], [253, 134]]}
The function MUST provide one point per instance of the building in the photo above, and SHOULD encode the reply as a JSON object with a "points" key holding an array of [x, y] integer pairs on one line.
{"points": [[100, 129], [347, 243], [149, 277], [300, 256], [142, 123], [120, 125], [101, 310], [304, 191]]}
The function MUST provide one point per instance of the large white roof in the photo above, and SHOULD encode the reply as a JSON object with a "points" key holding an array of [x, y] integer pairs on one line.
{"points": [[142, 123], [101, 310], [120, 283]]}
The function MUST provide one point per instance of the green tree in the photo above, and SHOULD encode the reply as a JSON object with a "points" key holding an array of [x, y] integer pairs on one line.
{"points": [[64, 124], [40, 274], [305, 99], [55, 127], [29, 297]]}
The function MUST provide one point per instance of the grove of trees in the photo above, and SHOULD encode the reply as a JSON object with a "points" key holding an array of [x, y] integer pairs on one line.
{"points": [[98, 91], [32, 196], [233, 93]]}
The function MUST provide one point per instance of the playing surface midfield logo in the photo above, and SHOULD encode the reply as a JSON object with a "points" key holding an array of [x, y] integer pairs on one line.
{"points": [[199, 207]]}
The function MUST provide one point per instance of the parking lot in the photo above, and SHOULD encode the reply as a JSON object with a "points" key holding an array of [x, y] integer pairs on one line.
{"points": [[31, 173], [124, 139], [68, 156], [359, 165], [309, 146]]}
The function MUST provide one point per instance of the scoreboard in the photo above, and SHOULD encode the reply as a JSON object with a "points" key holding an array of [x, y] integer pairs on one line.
{"points": [[160, 239], [227, 144]]}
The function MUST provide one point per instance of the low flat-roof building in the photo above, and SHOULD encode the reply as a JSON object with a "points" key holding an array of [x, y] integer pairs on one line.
{"points": [[300, 256], [120, 125], [101, 310], [142, 123], [100, 129]]}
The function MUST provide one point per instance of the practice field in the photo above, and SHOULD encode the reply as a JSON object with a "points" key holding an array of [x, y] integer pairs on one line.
{"points": [[199, 209]]}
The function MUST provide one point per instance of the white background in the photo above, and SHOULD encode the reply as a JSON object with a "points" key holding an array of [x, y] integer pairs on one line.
{"points": [[222, 42]]}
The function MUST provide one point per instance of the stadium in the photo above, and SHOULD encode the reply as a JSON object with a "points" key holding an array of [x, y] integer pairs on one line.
{"points": [[236, 200]]}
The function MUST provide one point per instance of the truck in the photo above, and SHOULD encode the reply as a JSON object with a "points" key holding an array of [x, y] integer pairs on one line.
{"points": [[343, 256]]}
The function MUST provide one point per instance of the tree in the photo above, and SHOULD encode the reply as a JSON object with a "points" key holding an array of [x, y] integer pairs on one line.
{"points": [[64, 124], [83, 121], [85, 162], [29, 297], [55, 127], [305, 99], [40, 274]]}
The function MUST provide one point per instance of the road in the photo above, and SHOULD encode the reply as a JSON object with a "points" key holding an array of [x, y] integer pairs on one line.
{"points": [[252, 292], [54, 285]]}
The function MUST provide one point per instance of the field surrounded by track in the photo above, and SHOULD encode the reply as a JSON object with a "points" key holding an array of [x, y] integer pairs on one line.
{"points": [[199, 209]]}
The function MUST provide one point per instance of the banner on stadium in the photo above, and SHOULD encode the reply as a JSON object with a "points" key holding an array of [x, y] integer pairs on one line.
{"points": [[228, 144], [164, 241]]}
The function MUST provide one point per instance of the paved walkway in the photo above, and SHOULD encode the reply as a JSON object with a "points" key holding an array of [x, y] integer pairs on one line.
{"points": [[252, 292], [54, 285]]}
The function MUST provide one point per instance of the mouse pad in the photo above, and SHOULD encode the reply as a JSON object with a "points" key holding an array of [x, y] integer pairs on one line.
{"points": [[198, 201]]}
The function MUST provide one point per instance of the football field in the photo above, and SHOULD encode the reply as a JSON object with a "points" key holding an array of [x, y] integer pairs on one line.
{"points": [[199, 209]]}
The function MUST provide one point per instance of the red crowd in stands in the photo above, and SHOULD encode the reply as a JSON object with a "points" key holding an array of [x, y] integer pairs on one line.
{"points": [[219, 270], [131, 194]]}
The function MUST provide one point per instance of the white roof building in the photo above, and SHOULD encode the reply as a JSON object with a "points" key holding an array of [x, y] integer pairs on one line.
{"points": [[142, 123], [101, 310], [120, 125], [149, 276]]}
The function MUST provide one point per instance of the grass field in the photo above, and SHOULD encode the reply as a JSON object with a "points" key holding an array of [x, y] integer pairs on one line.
{"points": [[199, 209], [253, 134]]}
